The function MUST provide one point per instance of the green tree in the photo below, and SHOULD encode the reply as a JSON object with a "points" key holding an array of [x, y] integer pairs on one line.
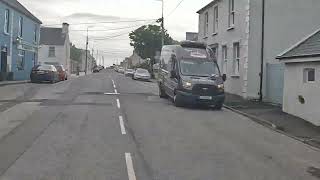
{"points": [[146, 40], [75, 53]]}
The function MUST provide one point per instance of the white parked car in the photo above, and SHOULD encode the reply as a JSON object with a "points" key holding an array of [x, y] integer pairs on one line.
{"points": [[121, 70], [141, 74], [129, 72]]}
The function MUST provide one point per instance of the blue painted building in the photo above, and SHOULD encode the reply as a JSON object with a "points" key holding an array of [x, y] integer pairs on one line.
{"points": [[19, 40]]}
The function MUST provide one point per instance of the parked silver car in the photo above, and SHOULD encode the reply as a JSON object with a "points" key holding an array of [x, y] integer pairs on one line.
{"points": [[129, 72], [141, 74]]}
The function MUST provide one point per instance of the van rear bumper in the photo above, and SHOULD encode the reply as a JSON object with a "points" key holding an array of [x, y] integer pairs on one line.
{"points": [[190, 98]]}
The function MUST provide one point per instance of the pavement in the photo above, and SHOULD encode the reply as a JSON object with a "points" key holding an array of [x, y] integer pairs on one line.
{"points": [[273, 116], [107, 126]]}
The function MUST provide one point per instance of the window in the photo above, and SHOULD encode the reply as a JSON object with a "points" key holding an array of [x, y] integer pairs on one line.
{"points": [[215, 19], [21, 60], [309, 75], [214, 49], [236, 58], [52, 51], [34, 59], [6, 21], [224, 59], [20, 26], [231, 13], [35, 33], [206, 23]]}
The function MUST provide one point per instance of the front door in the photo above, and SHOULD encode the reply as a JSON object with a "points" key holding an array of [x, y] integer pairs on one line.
{"points": [[3, 60]]}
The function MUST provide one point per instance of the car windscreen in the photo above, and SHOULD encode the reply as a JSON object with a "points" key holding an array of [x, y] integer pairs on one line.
{"points": [[142, 71], [198, 67], [45, 68]]}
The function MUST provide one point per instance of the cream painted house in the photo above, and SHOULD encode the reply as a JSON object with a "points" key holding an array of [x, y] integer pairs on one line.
{"points": [[247, 35], [55, 46]]}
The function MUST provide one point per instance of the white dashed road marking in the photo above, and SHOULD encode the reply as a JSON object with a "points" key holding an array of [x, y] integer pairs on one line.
{"points": [[118, 103], [111, 93], [131, 173], [123, 130], [115, 91], [114, 85]]}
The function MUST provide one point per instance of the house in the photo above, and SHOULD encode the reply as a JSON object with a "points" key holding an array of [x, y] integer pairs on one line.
{"points": [[55, 46], [90, 61], [134, 60], [19, 40], [74, 66], [247, 35], [302, 79], [191, 36]]}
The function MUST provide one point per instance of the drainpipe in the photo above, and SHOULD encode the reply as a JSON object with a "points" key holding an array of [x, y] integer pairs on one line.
{"points": [[262, 50]]}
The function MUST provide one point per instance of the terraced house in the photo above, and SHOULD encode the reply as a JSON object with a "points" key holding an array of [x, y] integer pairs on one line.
{"points": [[19, 40], [248, 35]]}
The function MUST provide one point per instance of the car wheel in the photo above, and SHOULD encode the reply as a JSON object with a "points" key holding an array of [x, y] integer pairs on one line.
{"points": [[162, 93], [218, 106]]}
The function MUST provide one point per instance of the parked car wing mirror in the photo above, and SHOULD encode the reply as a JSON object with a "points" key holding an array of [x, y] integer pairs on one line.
{"points": [[224, 77]]}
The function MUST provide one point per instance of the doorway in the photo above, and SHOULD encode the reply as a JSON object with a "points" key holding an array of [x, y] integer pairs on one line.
{"points": [[4, 60]]}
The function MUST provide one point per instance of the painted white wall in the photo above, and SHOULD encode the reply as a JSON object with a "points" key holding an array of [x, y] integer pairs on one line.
{"points": [[60, 55], [240, 33], [295, 86]]}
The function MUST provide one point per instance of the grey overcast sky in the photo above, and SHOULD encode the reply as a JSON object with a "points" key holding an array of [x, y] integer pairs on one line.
{"points": [[52, 12]]}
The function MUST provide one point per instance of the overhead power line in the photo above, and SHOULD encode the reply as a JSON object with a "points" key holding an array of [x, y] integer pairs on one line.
{"points": [[104, 22], [175, 8], [111, 29], [113, 36]]}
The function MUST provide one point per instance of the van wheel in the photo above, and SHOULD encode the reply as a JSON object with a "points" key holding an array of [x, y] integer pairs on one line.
{"points": [[177, 101], [218, 106], [162, 93]]}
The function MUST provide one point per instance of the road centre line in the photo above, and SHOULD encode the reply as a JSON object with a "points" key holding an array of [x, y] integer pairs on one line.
{"points": [[123, 129], [111, 93], [114, 85], [115, 91], [131, 173], [118, 103]]}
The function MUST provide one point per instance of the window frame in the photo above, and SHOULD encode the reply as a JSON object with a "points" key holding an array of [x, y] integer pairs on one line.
{"points": [[20, 32], [236, 59], [306, 78], [7, 19], [224, 61], [50, 50], [231, 14], [35, 32], [215, 19], [21, 55], [206, 24]]}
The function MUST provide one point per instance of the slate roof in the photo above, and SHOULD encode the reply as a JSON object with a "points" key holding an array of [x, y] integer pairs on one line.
{"points": [[20, 8], [52, 36], [308, 47]]}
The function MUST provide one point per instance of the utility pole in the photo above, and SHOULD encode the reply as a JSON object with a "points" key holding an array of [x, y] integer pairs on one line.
{"points": [[87, 43], [162, 25]]}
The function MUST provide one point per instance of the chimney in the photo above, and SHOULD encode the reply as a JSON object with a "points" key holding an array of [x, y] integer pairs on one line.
{"points": [[65, 28]]}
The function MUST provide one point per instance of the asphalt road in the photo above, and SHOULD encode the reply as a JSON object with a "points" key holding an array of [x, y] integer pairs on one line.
{"points": [[108, 127]]}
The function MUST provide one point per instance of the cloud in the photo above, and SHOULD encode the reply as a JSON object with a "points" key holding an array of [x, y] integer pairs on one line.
{"points": [[91, 16]]}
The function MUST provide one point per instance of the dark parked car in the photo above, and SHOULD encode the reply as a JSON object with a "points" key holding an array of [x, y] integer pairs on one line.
{"points": [[63, 75], [42, 73], [189, 74], [96, 69]]}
